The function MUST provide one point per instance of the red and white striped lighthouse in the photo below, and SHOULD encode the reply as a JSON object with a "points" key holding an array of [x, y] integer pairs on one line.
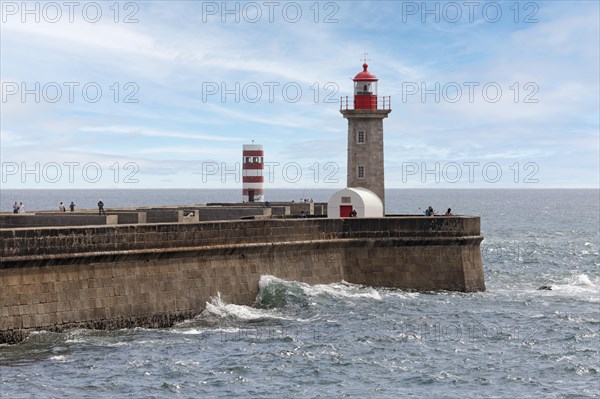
{"points": [[252, 173]]}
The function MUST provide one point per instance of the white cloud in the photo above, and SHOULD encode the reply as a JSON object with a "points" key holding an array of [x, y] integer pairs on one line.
{"points": [[148, 132]]}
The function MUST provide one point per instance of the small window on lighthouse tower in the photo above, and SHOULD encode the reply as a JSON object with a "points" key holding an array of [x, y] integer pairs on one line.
{"points": [[360, 172], [361, 137]]}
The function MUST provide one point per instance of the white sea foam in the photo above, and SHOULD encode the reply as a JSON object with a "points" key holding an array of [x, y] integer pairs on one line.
{"points": [[186, 362], [583, 280], [267, 280], [578, 283], [241, 312], [191, 331], [338, 290], [98, 341], [580, 286], [78, 336], [400, 294], [200, 331]]}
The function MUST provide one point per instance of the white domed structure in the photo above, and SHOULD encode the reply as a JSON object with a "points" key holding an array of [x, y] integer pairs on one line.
{"points": [[364, 202]]}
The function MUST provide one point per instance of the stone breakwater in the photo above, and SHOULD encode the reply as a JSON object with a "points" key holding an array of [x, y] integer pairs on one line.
{"points": [[153, 275]]}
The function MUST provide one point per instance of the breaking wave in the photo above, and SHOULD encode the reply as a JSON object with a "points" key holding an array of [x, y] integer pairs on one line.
{"points": [[276, 293], [217, 307], [277, 297]]}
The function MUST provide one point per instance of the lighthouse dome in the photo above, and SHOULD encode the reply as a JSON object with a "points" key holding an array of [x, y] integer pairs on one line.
{"points": [[365, 76]]}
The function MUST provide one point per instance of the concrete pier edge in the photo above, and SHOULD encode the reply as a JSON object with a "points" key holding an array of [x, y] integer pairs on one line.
{"points": [[155, 275]]}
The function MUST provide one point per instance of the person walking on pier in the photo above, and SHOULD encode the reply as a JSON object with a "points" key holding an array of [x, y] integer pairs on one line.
{"points": [[61, 207], [16, 207], [21, 208], [72, 207], [101, 208]]}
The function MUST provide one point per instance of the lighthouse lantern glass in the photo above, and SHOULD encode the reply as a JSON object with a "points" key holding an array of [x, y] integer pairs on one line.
{"points": [[362, 88]]}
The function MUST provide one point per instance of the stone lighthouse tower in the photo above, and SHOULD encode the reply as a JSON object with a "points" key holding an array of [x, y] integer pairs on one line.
{"points": [[365, 133]]}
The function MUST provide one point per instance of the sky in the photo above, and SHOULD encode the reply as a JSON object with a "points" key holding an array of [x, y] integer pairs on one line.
{"points": [[163, 94]]}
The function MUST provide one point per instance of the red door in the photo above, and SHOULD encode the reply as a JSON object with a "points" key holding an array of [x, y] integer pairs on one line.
{"points": [[345, 211]]}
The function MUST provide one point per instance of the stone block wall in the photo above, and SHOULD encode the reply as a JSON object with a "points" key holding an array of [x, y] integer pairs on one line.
{"points": [[18, 244], [124, 217], [213, 213], [145, 290], [130, 217], [296, 208], [153, 275], [320, 209], [58, 219], [163, 215]]}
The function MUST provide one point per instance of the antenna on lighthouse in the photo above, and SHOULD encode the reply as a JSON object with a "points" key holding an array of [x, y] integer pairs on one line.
{"points": [[365, 59]]}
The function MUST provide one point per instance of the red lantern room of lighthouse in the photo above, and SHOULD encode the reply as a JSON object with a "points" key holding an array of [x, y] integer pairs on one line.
{"points": [[365, 89]]}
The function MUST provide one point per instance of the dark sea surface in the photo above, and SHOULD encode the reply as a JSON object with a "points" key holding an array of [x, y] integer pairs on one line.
{"points": [[344, 340]]}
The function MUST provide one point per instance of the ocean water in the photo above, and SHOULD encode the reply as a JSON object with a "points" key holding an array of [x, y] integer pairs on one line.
{"points": [[345, 340]]}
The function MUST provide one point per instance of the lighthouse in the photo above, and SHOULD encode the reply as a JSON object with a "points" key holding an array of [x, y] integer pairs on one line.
{"points": [[252, 173], [365, 116]]}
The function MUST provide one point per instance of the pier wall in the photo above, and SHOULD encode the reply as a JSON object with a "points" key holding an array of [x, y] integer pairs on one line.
{"points": [[156, 274], [124, 217], [211, 213], [58, 219], [164, 215]]}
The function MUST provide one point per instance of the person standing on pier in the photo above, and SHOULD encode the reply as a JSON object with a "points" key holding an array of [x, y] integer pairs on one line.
{"points": [[430, 211], [16, 207], [72, 207], [101, 208], [61, 207], [21, 208]]}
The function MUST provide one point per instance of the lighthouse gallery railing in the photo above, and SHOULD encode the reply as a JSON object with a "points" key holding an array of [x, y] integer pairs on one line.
{"points": [[384, 102]]}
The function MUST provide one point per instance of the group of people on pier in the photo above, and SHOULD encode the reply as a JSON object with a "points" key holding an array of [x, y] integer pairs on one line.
{"points": [[18, 207], [61, 207], [431, 212]]}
